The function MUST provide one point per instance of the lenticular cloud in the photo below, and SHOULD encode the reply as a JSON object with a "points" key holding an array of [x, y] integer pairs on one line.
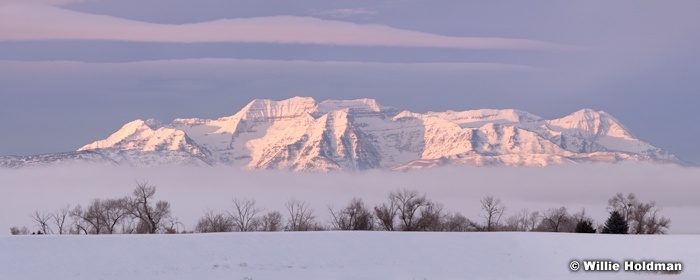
{"points": [[40, 22]]}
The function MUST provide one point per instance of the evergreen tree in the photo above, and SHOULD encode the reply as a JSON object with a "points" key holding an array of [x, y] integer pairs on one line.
{"points": [[616, 224], [584, 226]]}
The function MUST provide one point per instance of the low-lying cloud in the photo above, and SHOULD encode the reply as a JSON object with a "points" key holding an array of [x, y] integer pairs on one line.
{"points": [[191, 191]]}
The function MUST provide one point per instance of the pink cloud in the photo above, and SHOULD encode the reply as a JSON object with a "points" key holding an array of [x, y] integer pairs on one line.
{"points": [[41, 22], [40, 2]]}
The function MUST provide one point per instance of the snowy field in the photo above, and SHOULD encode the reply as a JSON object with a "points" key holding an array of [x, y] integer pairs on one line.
{"points": [[339, 255]]}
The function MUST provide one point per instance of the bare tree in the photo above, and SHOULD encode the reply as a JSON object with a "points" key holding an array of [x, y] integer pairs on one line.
{"points": [[622, 205], [60, 218], [301, 217], [149, 214], [457, 222], [524, 220], [386, 215], [493, 211], [89, 220], [41, 220], [80, 221], [243, 214], [355, 216], [556, 220], [643, 218], [100, 216], [114, 212], [656, 225], [517, 222], [215, 222], [172, 225], [128, 224], [431, 217], [18, 231], [532, 220], [409, 211], [408, 203], [272, 221]]}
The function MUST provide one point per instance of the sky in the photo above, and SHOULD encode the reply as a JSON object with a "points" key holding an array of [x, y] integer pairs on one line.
{"points": [[74, 71]]}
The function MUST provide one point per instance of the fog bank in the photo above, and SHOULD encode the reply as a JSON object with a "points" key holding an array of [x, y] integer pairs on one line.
{"points": [[192, 190]]}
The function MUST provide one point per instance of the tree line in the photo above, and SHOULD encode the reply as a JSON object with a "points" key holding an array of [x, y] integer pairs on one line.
{"points": [[404, 210], [137, 213]]}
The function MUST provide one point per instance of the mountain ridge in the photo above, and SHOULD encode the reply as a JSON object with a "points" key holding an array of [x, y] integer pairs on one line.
{"points": [[302, 134]]}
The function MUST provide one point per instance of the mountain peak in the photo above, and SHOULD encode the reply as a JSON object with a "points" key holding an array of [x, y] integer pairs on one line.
{"points": [[133, 125], [130, 128], [302, 134], [592, 123], [587, 113], [360, 105], [138, 135], [477, 118], [153, 123], [262, 109]]}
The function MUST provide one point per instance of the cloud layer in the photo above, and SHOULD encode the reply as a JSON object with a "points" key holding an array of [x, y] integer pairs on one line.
{"points": [[191, 191], [40, 2], [41, 22]]}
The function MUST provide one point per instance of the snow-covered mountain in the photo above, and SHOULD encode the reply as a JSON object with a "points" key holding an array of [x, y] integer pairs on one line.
{"points": [[301, 134]]}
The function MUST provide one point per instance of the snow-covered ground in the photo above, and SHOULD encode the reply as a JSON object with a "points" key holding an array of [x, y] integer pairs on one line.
{"points": [[339, 255]]}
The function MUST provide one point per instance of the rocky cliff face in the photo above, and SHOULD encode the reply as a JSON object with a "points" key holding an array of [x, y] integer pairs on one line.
{"points": [[301, 134]]}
